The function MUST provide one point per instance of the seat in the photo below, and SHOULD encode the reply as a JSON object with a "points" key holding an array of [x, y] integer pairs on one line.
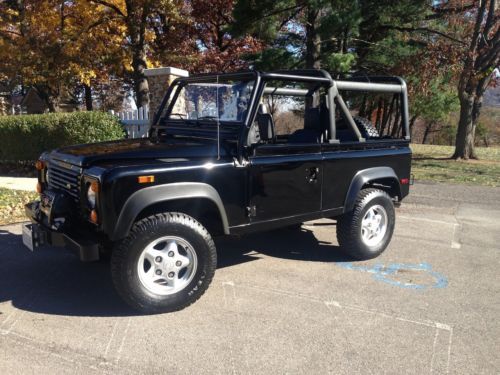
{"points": [[312, 132], [265, 124], [253, 135], [262, 131]]}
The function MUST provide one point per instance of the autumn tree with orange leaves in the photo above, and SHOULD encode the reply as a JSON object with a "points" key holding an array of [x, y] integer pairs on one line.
{"points": [[52, 45], [138, 19]]}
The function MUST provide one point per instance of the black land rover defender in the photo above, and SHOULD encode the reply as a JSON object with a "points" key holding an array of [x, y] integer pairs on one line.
{"points": [[227, 154]]}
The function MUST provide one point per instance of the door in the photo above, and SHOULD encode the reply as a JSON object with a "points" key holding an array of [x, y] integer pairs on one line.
{"points": [[285, 180]]}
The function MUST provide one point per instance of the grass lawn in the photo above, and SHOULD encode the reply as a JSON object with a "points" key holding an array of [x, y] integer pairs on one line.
{"points": [[432, 163], [12, 205]]}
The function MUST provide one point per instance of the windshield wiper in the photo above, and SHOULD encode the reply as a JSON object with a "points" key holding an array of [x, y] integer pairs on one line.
{"points": [[207, 118], [181, 115]]}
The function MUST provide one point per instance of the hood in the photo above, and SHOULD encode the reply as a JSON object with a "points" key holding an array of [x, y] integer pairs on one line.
{"points": [[133, 149]]}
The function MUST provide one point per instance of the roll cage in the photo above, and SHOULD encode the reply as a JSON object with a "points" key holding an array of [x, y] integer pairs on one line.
{"points": [[377, 84]]}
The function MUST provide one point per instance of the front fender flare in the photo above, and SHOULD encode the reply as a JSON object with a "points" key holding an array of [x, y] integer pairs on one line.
{"points": [[163, 193], [362, 178]]}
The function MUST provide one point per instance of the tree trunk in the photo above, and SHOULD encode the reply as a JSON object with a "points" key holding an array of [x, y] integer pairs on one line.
{"points": [[313, 40], [483, 56], [137, 14], [141, 86], [427, 131], [412, 125], [464, 142], [379, 113], [49, 96], [362, 107], [53, 105], [88, 98], [313, 50], [396, 126]]}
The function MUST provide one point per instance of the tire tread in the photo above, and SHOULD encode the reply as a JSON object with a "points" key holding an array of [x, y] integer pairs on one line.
{"points": [[347, 233], [366, 127], [119, 256]]}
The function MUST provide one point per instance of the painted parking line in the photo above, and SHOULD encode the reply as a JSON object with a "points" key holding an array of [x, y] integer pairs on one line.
{"points": [[440, 334], [390, 273], [453, 225]]}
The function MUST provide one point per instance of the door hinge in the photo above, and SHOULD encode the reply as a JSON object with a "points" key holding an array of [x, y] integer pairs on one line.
{"points": [[251, 211], [237, 163]]}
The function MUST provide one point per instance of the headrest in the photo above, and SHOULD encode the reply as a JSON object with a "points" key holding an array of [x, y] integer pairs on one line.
{"points": [[266, 126], [312, 119]]}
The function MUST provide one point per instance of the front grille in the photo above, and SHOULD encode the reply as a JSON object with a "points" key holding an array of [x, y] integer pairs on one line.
{"points": [[65, 178]]}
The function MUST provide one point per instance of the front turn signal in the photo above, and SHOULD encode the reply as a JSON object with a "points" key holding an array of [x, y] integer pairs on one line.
{"points": [[94, 218], [39, 188], [146, 179], [39, 165]]}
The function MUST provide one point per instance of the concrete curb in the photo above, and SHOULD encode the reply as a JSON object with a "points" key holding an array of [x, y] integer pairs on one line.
{"points": [[18, 183]]}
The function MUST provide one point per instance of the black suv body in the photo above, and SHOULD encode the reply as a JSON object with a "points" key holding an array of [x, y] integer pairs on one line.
{"points": [[215, 164]]}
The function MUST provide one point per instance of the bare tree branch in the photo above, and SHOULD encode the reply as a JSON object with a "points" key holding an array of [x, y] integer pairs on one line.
{"points": [[477, 27], [110, 6], [11, 32], [423, 29], [490, 20], [299, 6], [278, 11], [292, 16]]}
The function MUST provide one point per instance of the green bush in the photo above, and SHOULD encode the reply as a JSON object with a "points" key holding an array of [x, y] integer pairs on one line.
{"points": [[24, 138]]}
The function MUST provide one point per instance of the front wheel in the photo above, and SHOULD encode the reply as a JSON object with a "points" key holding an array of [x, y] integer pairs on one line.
{"points": [[165, 264], [365, 232]]}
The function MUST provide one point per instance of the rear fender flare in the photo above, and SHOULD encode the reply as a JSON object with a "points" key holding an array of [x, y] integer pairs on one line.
{"points": [[162, 193], [364, 177]]}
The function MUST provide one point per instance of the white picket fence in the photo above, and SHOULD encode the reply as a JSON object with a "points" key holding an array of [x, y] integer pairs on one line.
{"points": [[136, 123]]}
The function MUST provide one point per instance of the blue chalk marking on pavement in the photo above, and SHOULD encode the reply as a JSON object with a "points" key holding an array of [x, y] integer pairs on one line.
{"points": [[385, 274]]}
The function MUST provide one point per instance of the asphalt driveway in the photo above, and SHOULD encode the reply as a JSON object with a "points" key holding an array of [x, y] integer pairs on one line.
{"points": [[286, 301]]}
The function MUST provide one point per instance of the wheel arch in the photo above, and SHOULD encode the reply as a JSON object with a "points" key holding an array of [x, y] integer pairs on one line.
{"points": [[383, 178], [193, 197]]}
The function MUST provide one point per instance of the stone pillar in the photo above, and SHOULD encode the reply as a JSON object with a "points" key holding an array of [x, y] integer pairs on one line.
{"points": [[159, 79]]}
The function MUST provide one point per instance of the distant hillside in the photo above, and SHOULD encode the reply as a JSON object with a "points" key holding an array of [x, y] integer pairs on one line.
{"points": [[492, 97]]}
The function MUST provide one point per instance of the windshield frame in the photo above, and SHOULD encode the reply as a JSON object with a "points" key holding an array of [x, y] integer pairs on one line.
{"points": [[179, 83]]}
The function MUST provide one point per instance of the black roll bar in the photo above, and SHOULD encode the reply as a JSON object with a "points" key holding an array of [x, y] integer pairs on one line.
{"points": [[381, 84]]}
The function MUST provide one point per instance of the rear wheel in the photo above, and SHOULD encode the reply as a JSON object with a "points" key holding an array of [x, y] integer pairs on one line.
{"points": [[165, 264], [366, 128], [365, 232]]}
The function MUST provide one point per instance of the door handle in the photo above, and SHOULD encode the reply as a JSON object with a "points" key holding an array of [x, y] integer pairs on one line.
{"points": [[312, 174]]}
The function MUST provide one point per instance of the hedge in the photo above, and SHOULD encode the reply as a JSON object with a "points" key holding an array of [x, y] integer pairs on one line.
{"points": [[25, 137]]}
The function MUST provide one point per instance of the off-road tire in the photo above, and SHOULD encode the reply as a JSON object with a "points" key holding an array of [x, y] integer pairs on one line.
{"points": [[366, 128], [125, 257], [349, 225]]}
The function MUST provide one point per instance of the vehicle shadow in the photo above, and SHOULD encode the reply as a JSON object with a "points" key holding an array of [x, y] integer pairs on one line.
{"points": [[287, 243], [53, 281]]}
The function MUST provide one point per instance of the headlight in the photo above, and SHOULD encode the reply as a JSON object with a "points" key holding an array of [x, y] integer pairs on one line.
{"points": [[93, 189], [91, 197]]}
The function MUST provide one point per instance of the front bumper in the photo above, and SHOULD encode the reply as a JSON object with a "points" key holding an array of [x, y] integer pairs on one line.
{"points": [[39, 233]]}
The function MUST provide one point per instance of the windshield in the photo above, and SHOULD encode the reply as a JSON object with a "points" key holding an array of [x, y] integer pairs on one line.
{"points": [[223, 101]]}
